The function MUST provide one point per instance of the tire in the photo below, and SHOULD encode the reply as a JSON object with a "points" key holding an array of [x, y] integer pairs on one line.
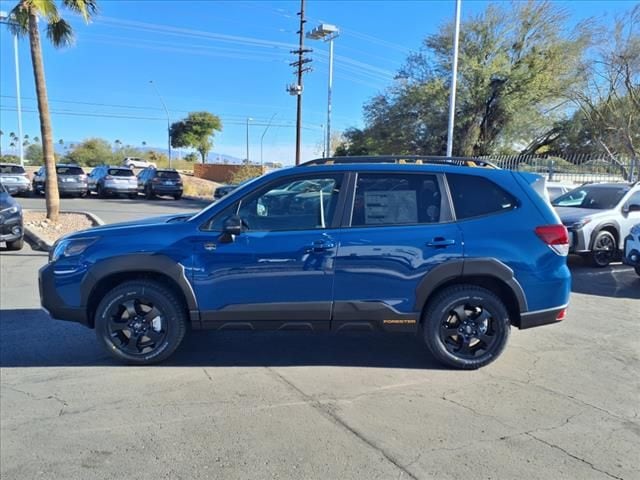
{"points": [[100, 191], [177, 196], [447, 335], [148, 193], [603, 250], [133, 196], [637, 269], [148, 300], [16, 244], [83, 195]]}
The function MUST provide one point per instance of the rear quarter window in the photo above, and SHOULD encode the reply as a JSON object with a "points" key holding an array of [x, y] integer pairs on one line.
{"points": [[478, 196]]}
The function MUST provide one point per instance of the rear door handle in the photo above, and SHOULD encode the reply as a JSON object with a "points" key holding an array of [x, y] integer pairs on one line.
{"points": [[441, 242]]}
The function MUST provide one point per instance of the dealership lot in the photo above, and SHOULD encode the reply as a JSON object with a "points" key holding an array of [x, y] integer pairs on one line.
{"points": [[562, 402]]}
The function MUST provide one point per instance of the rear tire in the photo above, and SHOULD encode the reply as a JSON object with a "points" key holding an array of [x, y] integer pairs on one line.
{"points": [[100, 191], [604, 249], [148, 193], [466, 327], [140, 322], [16, 244], [133, 196]]}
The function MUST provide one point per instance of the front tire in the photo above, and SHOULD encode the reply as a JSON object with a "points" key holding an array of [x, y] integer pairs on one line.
{"points": [[148, 193], [604, 249], [140, 322], [466, 327], [100, 191], [16, 244]]}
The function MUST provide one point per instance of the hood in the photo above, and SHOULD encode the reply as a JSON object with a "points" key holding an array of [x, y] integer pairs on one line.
{"points": [[571, 215], [173, 218], [6, 201]]}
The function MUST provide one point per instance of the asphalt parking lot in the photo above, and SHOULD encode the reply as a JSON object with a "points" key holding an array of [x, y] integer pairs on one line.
{"points": [[563, 402]]}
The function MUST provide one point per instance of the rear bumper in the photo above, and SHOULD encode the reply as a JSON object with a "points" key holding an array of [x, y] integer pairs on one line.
{"points": [[14, 188], [542, 317], [166, 189], [123, 189]]}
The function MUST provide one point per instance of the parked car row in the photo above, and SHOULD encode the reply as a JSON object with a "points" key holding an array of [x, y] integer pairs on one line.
{"points": [[103, 180], [11, 224]]}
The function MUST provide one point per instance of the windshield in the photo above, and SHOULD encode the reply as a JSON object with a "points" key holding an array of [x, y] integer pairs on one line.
{"points": [[591, 197], [168, 174], [120, 172], [11, 169], [69, 171]]}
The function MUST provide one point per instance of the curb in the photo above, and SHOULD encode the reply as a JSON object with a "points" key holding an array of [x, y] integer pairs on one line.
{"points": [[39, 243]]}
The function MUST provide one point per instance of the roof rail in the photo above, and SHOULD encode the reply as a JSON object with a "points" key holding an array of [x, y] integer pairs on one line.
{"points": [[403, 159]]}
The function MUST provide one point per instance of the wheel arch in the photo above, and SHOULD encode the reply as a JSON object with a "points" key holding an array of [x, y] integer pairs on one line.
{"points": [[107, 275], [610, 226], [487, 273]]}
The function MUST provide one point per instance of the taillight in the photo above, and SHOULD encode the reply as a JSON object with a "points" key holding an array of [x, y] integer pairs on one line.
{"points": [[156, 180], [108, 177], [556, 236]]}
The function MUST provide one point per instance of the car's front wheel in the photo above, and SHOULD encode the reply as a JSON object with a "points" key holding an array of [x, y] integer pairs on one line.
{"points": [[140, 322], [604, 249], [466, 326]]}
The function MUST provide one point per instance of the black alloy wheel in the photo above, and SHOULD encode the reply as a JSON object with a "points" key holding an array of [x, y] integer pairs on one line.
{"points": [[466, 326], [604, 249]]}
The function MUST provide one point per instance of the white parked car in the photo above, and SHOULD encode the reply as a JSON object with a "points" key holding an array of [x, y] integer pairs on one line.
{"points": [[135, 162], [632, 248], [555, 189]]}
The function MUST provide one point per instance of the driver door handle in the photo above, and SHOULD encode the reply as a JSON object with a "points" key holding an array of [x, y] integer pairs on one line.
{"points": [[320, 246], [441, 242]]}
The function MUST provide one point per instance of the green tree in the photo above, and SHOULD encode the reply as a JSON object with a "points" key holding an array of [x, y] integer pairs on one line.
{"points": [[517, 63], [25, 17], [196, 131], [91, 152], [191, 157], [34, 154]]}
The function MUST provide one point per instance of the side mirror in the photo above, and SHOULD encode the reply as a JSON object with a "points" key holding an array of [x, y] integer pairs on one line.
{"points": [[232, 225]]}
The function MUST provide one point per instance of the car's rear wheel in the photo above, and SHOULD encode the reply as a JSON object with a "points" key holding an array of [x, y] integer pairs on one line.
{"points": [[148, 193], [466, 326], [16, 244], [604, 249], [140, 322]]}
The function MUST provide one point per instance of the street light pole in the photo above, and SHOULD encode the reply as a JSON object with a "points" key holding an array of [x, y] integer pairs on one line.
{"points": [[168, 119], [328, 33], [262, 138], [248, 120], [454, 80], [4, 18]]}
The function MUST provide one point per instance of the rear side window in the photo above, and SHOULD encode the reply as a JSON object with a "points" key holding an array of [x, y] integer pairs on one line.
{"points": [[396, 199], [120, 172], [69, 171], [11, 169], [477, 196]]}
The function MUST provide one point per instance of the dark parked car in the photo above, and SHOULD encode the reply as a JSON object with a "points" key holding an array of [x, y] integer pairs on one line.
{"points": [[224, 190], [71, 180], [153, 182], [106, 180], [383, 245], [11, 229], [14, 178]]}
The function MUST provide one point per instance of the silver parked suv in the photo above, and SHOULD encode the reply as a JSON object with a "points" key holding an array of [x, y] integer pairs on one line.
{"points": [[106, 180], [599, 216]]}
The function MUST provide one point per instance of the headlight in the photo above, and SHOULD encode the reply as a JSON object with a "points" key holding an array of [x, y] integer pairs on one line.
{"points": [[70, 247], [578, 225], [11, 210]]}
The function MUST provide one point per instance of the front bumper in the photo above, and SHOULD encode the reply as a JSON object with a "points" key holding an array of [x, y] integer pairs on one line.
{"points": [[632, 251], [11, 228], [578, 241], [53, 303]]}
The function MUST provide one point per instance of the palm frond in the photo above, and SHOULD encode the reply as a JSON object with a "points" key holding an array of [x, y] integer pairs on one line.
{"points": [[60, 33], [19, 20], [44, 8], [86, 8]]}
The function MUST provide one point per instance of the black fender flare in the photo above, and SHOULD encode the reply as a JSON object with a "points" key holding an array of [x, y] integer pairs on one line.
{"points": [[604, 224], [470, 267], [140, 263]]}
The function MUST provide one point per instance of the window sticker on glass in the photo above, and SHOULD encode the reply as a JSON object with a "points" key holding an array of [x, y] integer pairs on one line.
{"points": [[390, 207]]}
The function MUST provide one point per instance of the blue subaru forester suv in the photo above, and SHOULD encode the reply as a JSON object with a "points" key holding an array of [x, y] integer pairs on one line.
{"points": [[414, 244]]}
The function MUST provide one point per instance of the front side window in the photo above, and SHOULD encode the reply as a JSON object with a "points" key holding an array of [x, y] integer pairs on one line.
{"points": [[396, 199], [283, 208], [475, 196]]}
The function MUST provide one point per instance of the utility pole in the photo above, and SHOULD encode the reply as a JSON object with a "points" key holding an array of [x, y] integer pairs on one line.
{"points": [[454, 79], [300, 69], [168, 119], [262, 139], [248, 120]]}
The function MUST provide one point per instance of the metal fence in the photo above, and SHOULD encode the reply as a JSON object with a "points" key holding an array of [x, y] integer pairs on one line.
{"points": [[575, 169]]}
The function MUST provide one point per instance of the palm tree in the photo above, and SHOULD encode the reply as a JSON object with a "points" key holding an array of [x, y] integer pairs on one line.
{"points": [[118, 144], [144, 144], [25, 23], [61, 142], [1, 135], [36, 139]]}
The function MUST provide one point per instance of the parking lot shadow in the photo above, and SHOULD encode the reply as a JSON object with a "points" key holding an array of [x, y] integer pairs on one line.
{"points": [[29, 338], [616, 280]]}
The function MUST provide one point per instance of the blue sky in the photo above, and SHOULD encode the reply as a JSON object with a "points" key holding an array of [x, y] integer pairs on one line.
{"points": [[230, 58]]}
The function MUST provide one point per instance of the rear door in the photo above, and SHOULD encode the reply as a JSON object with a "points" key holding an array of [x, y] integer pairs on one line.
{"points": [[398, 229]]}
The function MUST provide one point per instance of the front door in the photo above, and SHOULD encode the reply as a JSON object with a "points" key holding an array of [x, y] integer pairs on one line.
{"points": [[278, 273]]}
